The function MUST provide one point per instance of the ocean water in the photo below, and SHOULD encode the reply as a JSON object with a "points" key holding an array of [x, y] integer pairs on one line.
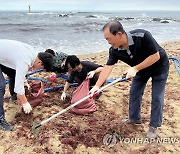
{"points": [[81, 32]]}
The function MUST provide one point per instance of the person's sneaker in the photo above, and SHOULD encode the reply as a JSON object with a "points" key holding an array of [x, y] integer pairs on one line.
{"points": [[129, 121], [152, 132], [4, 125]]}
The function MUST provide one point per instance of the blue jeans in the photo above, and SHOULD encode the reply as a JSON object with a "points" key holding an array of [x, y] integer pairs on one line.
{"points": [[157, 102]]}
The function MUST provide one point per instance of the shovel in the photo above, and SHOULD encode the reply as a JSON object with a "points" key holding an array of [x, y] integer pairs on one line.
{"points": [[36, 126]]}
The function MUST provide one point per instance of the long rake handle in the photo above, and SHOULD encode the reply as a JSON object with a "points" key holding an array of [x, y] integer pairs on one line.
{"points": [[78, 102]]}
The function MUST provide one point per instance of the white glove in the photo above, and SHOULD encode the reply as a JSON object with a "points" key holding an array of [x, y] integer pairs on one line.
{"points": [[27, 107], [63, 96], [90, 74], [26, 84], [131, 72], [93, 91]]}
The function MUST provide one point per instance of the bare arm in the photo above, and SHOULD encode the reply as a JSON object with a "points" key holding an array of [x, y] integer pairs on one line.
{"points": [[99, 69], [66, 86], [106, 71], [22, 98], [148, 61]]}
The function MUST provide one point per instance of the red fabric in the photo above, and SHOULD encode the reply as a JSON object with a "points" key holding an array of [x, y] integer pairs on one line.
{"points": [[35, 94], [86, 106]]}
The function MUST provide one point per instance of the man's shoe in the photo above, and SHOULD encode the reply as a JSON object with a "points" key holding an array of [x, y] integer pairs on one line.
{"points": [[129, 121], [152, 132], [4, 125]]}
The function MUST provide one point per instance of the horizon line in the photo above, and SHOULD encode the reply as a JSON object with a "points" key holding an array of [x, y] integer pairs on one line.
{"points": [[89, 11]]}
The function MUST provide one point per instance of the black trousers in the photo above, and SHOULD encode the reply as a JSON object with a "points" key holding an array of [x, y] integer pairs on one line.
{"points": [[11, 73]]}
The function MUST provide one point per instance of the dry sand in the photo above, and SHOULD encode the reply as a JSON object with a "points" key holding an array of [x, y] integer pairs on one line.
{"points": [[70, 133]]}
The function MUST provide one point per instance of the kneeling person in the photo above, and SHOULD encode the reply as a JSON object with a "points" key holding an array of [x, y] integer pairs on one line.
{"points": [[79, 70]]}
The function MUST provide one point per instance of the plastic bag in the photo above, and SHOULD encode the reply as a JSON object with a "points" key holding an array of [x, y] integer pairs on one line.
{"points": [[86, 106]]}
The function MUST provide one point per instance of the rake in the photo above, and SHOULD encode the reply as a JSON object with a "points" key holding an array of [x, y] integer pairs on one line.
{"points": [[36, 125]]}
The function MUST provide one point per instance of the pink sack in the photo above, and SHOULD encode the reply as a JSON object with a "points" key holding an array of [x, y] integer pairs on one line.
{"points": [[86, 106], [35, 94]]}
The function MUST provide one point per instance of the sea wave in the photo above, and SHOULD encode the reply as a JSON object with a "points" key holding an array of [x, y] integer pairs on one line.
{"points": [[15, 24], [79, 32], [31, 29]]}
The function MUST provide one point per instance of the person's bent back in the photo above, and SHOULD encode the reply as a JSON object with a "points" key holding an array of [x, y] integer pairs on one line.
{"points": [[16, 59]]}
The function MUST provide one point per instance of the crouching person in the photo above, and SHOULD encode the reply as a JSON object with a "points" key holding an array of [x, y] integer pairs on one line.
{"points": [[59, 61], [20, 58], [79, 70]]}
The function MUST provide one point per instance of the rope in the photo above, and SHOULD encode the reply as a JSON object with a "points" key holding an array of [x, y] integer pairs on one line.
{"points": [[30, 73], [59, 87], [176, 63]]}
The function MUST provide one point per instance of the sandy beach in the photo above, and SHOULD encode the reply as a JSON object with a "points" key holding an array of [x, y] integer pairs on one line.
{"points": [[102, 131]]}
